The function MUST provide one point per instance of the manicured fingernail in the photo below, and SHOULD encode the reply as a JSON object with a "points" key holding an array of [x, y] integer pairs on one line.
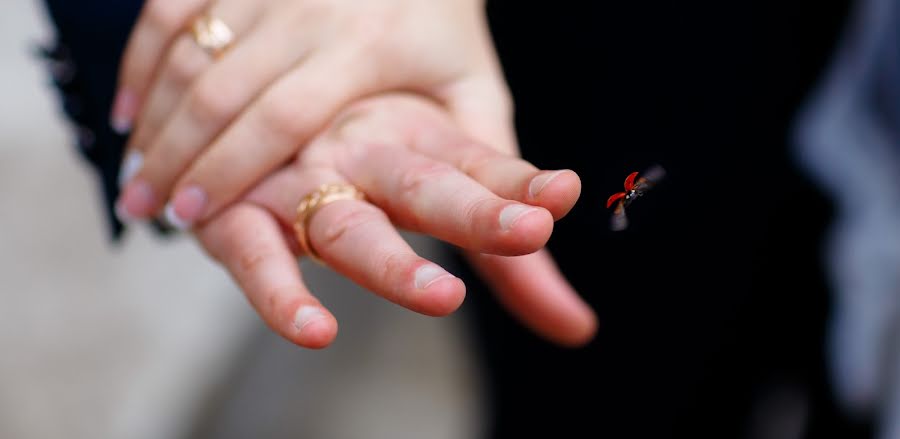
{"points": [[123, 215], [124, 110], [130, 167], [136, 201], [541, 181], [429, 274], [510, 214], [186, 208], [306, 315]]}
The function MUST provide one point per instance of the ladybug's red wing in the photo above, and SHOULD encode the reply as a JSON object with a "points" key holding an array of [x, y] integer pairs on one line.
{"points": [[619, 221], [614, 198], [629, 181]]}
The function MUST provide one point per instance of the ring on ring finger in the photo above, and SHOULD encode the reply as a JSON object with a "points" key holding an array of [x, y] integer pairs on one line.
{"points": [[212, 34], [311, 203]]}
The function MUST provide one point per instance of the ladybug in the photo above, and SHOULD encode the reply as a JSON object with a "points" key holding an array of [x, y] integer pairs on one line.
{"points": [[633, 190]]}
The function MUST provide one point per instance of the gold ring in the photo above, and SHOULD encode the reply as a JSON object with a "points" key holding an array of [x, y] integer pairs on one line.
{"points": [[212, 35], [311, 203]]}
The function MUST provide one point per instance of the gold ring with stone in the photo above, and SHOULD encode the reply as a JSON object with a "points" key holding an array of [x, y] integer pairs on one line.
{"points": [[212, 35]]}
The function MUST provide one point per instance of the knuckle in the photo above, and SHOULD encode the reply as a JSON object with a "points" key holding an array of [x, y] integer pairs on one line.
{"points": [[476, 159], [283, 117], [413, 179], [183, 65], [274, 298], [210, 103], [394, 269], [370, 30], [252, 259], [162, 16], [350, 122], [475, 210], [346, 220], [369, 34], [314, 11]]}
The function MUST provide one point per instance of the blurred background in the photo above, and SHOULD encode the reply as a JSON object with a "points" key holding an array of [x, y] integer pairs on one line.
{"points": [[791, 330], [148, 339]]}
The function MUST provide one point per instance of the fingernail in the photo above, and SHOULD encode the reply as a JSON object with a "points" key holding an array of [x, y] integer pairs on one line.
{"points": [[306, 315], [429, 274], [130, 167], [136, 201], [510, 214], [541, 181], [186, 208], [124, 109], [123, 215]]}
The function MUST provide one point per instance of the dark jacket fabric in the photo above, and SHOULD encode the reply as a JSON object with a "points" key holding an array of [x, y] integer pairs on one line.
{"points": [[83, 63]]}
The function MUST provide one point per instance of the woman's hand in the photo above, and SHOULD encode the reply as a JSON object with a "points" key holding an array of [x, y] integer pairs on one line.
{"points": [[419, 172], [207, 130]]}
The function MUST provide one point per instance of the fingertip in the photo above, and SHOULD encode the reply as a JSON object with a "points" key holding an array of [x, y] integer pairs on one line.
{"points": [[527, 234], [137, 201], [443, 297], [187, 207], [436, 292], [582, 331], [556, 191], [534, 290], [125, 106], [130, 167], [173, 219], [313, 327]]}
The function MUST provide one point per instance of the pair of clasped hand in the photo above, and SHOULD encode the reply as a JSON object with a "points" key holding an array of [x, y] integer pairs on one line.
{"points": [[385, 114]]}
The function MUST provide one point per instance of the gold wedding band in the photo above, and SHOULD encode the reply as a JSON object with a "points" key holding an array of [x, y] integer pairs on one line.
{"points": [[311, 203], [212, 35]]}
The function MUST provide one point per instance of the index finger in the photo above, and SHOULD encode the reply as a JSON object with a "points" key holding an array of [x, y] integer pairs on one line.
{"points": [[156, 28]]}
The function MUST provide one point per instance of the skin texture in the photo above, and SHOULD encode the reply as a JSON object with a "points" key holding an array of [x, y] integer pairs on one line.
{"points": [[404, 153], [195, 119]]}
